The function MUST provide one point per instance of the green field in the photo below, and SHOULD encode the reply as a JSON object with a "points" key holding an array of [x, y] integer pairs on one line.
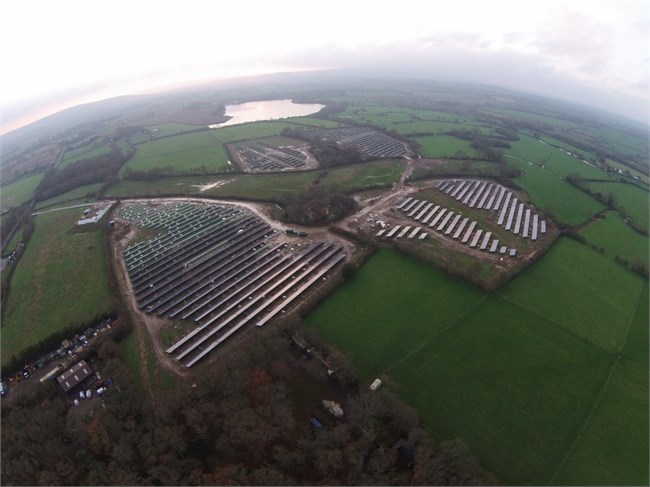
{"points": [[596, 303], [633, 199], [532, 399], [13, 194], [77, 195], [60, 281], [508, 382], [617, 238], [265, 186], [83, 153], [166, 129], [392, 307], [181, 153], [443, 146], [552, 194], [247, 131], [313, 122], [623, 407]]}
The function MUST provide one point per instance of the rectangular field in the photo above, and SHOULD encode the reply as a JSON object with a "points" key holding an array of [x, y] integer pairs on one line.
{"points": [[442, 146], [596, 303], [13, 194], [181, 153], [60, 281], [247, 131], [554, 195], [617, 238], [602, 455], [634, 200], [514, 387], [389, 309], [76, 195]]}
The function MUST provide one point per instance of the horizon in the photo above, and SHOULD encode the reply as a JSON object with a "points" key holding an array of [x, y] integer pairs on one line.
{"points": [[594, 54]]}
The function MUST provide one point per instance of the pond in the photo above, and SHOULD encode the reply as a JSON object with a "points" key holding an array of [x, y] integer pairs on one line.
{"points": [[256, 111]]}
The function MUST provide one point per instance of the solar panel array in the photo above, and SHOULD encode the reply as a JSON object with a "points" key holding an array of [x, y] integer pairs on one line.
{"points": [[446, 222], [262, 156], [515, 216], [217, 265], [369, 142]]}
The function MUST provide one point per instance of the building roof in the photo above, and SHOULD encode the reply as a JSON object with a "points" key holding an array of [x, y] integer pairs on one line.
{"points": [[74, 375]]}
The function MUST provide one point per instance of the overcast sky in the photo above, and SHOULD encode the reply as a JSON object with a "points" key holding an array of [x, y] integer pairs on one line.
{"points": [[58, 54]]}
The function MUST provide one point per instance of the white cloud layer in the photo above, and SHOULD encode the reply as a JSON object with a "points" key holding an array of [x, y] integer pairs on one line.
{"points": [[52, 50]]}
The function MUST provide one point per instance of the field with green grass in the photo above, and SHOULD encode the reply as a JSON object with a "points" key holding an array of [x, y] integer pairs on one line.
{"points": [[393, 305], [265, 186], [443, 146], [530, 397], [84, 152], [248, 131], [182, 153], [60, 281], [550, 192], [633, 199], [13, 194], [77, 195], [313, 122], [617, 238], [596, 303], [166, 129]]}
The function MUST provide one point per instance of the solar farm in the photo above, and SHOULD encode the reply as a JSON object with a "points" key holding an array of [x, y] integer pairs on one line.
{"points": [[261, 156], [418, 218], [220, 266], [369, 142]]}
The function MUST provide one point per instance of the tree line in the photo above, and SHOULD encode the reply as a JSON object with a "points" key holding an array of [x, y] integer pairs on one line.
{"points": [[96, 169]]}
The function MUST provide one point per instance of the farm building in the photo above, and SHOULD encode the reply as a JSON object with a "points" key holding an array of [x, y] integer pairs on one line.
{"points": [[75, 375]]}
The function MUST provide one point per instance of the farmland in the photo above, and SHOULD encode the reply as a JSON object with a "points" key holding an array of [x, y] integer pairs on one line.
{"points": [[515, 386], [443, 146], [391, 311], [76, 195], [13, 194], [554, 195], [617, 239], [60, 282], [629, 197], [597, 303], [179, 154], [264, 187]]}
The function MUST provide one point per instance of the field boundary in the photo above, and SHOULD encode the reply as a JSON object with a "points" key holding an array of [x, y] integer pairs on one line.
{"points": [[586, 422], [556, 324], [437, 335]]}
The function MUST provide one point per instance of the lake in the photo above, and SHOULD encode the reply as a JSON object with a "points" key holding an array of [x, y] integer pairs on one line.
{"points": [[256, 111]]}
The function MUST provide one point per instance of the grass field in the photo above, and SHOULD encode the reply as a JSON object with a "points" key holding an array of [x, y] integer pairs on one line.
{"points": [[247, 131], [167, 129], [76, 195], [509, 383], [597, 303], [633, 199], [84, 153], [552, 194], [181, 152], [442, 146], [622, 407], [532, 399], [618, 239], [313, 122], [60, 281], [20, 191], [265, 186], [392, 306]]}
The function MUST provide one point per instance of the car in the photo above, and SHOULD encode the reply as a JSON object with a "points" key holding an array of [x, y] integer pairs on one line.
{"points": [[101, 391], [76, 402], [81, 395], [89, 393]]}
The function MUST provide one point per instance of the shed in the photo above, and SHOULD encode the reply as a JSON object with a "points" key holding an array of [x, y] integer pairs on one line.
{"points": [[74, 375]]}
